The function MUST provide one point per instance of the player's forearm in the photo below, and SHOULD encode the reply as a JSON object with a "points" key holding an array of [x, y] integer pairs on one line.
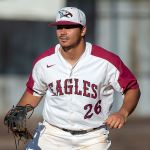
{"points": [[28, 98], [130, 102]]}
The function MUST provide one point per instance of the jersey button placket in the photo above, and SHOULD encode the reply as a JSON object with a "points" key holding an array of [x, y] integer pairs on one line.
{"points": [[71, 113]]}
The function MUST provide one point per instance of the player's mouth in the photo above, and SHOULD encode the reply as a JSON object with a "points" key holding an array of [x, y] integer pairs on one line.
{"points": [[63, 38]]}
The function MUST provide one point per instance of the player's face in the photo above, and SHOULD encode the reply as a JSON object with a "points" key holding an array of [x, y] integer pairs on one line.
{"points": [[69, 36]]}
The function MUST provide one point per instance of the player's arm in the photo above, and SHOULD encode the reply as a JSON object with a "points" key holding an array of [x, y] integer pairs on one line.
{"points": [[118, 119], [28, 98], [15, 119]]}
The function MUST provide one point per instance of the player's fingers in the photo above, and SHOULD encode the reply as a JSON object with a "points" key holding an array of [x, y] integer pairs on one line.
{"points": [[120, 126], [114, 124], [115, 121], [108, 121]]}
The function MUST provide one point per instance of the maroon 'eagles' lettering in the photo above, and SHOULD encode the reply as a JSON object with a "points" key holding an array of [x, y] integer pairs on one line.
{"points": [[72, 86]]}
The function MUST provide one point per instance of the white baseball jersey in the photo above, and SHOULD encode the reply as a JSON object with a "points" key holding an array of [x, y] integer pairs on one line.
{"points": [[80, 96]]}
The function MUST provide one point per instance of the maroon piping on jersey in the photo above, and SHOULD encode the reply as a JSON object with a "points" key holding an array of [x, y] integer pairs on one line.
{"points": [[126, 78], [30, 82]]}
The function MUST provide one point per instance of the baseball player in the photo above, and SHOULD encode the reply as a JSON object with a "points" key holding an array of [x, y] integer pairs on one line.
{"points": [[78, 80]]}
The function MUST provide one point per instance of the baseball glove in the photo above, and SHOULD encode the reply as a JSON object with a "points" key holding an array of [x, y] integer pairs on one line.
{"points": [[15, 120]]}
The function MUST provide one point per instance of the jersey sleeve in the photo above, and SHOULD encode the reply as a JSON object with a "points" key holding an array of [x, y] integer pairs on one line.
{"points": [[35, 84], [121, 78]]}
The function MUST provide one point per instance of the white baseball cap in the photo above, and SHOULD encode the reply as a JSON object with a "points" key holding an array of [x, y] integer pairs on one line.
{"points": [[70, 16]]}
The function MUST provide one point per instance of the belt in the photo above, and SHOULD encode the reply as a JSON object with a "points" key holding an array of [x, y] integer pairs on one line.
{"points": [[74, 132]]}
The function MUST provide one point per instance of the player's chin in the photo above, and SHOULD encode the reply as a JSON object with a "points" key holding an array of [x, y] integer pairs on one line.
{"points": [[63, 43], [65, 46]]}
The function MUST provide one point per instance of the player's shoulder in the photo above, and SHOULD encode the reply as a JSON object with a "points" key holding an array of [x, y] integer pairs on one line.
{"points": [[50, 51], [101, 52]]}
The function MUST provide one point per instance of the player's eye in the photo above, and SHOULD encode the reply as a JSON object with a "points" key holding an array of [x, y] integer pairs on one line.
{"points": [[59, 27]]}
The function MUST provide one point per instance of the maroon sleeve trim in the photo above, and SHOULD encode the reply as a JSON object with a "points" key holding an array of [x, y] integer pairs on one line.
{"points": [[126, 79], [48, 52], [30, 82]]}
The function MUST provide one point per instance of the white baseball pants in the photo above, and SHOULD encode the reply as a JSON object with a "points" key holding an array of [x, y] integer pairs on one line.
{"points": [[48, 137]]}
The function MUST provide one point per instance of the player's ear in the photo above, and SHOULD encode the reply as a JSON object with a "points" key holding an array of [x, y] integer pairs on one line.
{"points": [[83, 31]]}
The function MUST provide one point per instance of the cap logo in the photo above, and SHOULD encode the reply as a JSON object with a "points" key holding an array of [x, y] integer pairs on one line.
{"points": [[65, 13]]}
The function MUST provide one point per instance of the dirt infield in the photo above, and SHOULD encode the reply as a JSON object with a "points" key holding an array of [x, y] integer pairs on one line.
{"points": [[134, 136]]}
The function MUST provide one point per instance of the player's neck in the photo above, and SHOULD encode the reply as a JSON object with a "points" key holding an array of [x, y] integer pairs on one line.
{"points": [[73, 54]]}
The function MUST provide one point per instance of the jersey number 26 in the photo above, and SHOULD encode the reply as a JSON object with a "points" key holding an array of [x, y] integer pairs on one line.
{"points": [[90, 108]]}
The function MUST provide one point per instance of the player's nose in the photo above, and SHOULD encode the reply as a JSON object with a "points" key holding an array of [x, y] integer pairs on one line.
{"points": [[62, 31]]}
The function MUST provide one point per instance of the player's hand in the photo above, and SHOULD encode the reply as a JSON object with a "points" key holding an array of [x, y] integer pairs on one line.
{"points": [[116, 120]]}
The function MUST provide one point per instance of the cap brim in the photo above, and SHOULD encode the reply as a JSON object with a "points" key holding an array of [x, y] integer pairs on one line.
{"points": [[62, 23]]}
